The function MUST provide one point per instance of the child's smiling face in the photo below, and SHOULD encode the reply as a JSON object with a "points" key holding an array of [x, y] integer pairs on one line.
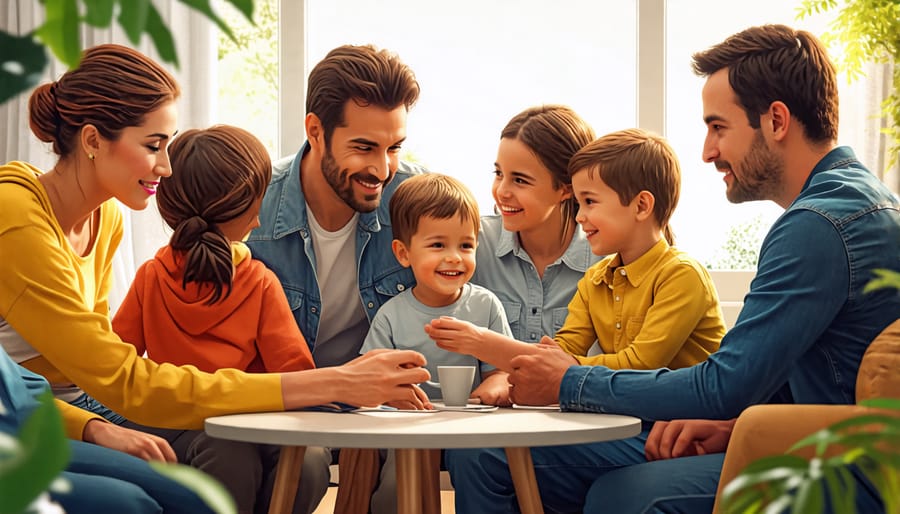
{"points": [[442, 256]]}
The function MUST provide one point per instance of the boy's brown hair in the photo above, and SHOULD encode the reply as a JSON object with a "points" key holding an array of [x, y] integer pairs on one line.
{"points": [[634, 160], [430, 194]]}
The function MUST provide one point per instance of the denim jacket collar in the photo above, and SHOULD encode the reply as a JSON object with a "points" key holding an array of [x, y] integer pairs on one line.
{"points": [[291, 214], [576, 257], [838, 157]]}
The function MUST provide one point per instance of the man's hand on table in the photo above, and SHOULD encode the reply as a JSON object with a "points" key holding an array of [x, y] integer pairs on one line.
{"points": [[536, 378]]}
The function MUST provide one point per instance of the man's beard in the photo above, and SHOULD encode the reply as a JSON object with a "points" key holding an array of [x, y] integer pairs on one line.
{"points": [[761, 173], [338, 180]]}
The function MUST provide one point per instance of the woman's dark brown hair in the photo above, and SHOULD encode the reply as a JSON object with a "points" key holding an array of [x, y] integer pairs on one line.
{"points": [[113, 88], [217, 174]]}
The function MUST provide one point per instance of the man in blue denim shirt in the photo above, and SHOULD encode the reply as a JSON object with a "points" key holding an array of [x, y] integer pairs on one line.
{"points": [[770, 106], [324, 226]]}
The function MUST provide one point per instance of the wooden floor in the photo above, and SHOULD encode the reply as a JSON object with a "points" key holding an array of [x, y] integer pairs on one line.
{"points": [[327, 505]]}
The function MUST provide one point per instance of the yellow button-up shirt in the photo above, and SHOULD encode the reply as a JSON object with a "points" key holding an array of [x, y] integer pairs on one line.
{"points": [[660, 311]]}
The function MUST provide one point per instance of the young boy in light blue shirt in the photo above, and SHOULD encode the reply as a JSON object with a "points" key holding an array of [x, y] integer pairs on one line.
{"points": [[435, 224]]}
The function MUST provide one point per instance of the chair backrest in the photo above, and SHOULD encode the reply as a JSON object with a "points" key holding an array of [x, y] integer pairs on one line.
{"points": [[732, 286], [878, 375]]}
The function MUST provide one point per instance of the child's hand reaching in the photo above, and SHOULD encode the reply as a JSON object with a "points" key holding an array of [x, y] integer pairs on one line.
{"points": [[493, 390], [455, 335]]}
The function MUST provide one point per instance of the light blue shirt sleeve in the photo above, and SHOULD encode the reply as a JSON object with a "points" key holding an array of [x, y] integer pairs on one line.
{"points": [[18, 391]]}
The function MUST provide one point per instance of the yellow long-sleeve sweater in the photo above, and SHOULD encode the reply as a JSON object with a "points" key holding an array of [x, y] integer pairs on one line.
{"points": [[41, 299]]}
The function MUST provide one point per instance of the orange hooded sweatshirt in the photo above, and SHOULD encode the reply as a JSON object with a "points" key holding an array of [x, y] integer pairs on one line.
{"points": [[252, 329]]}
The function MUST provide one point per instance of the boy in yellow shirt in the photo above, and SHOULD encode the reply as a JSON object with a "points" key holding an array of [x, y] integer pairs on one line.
{"points": [[647, 304]]}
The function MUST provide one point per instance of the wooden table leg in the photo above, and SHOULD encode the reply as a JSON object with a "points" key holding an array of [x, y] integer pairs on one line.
{"points": [[287, 479], [359, 471], [409, 481], [431, 481], [522, 470]]}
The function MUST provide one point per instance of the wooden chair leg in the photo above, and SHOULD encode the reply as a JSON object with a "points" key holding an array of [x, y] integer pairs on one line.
{"points": [[359, 470], [287, 478]]}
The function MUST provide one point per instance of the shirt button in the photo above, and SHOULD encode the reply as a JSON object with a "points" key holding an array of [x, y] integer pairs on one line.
{"points": [[618, 298], [371, 305], [533, 336], [400, 287], [313, 310], [618, 326], [622, 272], [304, 233]]}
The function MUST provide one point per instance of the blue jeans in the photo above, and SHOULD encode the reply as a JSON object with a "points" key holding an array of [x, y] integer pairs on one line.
{"points": [[105, 480], [675, 486], [564, 474], [89, 404]]}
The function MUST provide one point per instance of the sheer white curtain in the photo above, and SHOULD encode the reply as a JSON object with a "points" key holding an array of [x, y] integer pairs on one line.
{"points": [[195, 40], [870, 144]]}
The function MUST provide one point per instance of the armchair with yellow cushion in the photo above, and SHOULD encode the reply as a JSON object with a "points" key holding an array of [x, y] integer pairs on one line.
{"points": [[766, 430]]}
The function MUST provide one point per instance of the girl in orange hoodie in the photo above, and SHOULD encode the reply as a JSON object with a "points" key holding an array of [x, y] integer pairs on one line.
{"points": [[203, 301]]}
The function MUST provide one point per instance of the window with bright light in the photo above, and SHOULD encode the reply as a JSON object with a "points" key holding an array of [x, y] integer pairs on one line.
{"points": [[480, 62]]}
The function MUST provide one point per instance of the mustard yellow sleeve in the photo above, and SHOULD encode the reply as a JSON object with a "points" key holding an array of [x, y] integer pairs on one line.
{"points": [[74, 419], [578, 333], [681, 299], [40, 298]]}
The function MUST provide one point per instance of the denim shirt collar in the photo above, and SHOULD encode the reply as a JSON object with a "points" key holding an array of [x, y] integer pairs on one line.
{"points": [[636, 271], [577, 257], [291, 215], [838, 157]]}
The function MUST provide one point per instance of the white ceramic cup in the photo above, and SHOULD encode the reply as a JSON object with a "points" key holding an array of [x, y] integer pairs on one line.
{"points": [[455, 384]]}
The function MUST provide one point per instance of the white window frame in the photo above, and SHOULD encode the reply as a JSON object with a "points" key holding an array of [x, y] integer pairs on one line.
{"points": [[293, 69]]}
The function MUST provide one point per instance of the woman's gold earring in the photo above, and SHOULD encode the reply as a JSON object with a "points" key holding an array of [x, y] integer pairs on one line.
{"points": [[91, 156]]}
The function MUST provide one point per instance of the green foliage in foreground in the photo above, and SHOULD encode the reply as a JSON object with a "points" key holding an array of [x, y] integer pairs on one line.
{"points": [[23, 58]]}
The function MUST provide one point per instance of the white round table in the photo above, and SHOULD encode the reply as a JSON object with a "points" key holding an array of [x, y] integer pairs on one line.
{"points": [[515, 430]]}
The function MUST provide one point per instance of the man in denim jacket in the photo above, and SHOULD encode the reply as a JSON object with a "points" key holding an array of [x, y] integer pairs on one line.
{"points": [[770, 106], [324, 225]]}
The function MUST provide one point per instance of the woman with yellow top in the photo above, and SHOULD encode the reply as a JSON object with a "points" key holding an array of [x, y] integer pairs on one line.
{"points": [[110, 121]]}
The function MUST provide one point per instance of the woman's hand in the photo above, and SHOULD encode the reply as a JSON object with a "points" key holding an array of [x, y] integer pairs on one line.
{"points": [[386, 376], [133, 442]]}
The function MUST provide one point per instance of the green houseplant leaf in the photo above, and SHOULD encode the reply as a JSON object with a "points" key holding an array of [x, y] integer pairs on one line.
{"points": [[206, 487], [42, 453], [60, 30], [22, 60]]}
